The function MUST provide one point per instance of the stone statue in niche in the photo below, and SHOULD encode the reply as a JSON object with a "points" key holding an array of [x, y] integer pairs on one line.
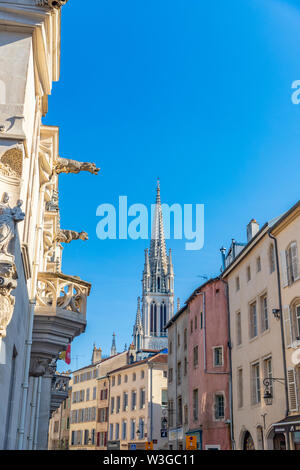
{"points": [[66, 236], [65, 165], [9, 217]]}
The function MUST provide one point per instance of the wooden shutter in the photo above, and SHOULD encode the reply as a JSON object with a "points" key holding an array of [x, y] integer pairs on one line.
{"points": [[288, 334], [284, 272], [293, 399], [294, 261]]}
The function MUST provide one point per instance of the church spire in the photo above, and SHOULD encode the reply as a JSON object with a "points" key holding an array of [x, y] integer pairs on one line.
{"points": [[113, 350], [138, 327], [158, 255]]}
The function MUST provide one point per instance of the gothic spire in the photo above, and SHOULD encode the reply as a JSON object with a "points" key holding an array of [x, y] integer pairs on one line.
{"points": [[113, 350], [138, 320], [158, 253]]}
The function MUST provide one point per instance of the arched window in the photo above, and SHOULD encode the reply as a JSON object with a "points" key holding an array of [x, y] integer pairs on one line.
{"points": [[248, 442], [163, 316], [153, 318]]}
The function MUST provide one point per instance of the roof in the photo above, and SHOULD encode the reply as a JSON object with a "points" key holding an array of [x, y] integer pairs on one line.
{"points": [[98, 362], [158, 359]]}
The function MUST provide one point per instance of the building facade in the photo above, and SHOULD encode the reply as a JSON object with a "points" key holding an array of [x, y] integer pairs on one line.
{"points": [[138, 404], [178, 383], [41, 309]]}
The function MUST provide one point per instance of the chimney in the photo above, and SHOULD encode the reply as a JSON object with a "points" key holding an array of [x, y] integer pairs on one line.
{"points": [[252, 229], [178, 304], [97, 355], [223, 254]]}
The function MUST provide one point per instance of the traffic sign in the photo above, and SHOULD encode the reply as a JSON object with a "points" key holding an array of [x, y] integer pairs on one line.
{"points": [[149, 445], [132, 446], [191, 442]]}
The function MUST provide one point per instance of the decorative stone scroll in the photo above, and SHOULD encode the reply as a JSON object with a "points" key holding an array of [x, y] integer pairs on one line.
{"points": [[66, 236], [65, 165]]}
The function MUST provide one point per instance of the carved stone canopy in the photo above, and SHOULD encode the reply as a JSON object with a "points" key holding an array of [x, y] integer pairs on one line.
{"points": [[65, 165]]}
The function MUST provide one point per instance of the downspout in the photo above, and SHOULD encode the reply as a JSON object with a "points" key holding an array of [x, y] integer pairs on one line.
{"points": [[32, 302], [151, 403], [37, 413], [282, 330], [33, 413]]}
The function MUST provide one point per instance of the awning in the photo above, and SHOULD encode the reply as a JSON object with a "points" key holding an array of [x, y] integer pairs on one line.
{"points": [[289, 424]]}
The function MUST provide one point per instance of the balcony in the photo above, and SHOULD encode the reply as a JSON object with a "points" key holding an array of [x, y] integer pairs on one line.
{"points": [[60, 313], [59, 390]]}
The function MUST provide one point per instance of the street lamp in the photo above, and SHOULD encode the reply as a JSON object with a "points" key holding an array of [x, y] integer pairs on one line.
{"points": [[268, 395]]}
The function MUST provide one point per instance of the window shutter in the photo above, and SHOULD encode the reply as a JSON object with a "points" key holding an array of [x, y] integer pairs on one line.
{"points": [[293, 399], [295, 265], [284, 273], [288, 335]]}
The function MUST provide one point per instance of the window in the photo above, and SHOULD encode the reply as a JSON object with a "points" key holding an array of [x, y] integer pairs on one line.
{"points": [[117, 431], [255, 383], [240, 388], [132, 429], [142, 397], [292, 263], [142, 374], [125, 401], [248, 273], [201, 320], [195, 356], [126, 379], [185, 338], [195, 404], [178, 340], [238, 328], [185, 366], [191, 326], [56, 426], [186, 414], [94, 393], [253, 320], [141, 428], [165, 374], [218, 356], [171, 413], [164, 398], [112, 405], [86, 436], [258, 264], [170, 375], [133, 400], [119, 379], [264, 313], [179, 411], [87, 394], [124, 430], [196, 322], [111, 432], [179, 373], [113, 381], [272, 258], [170, 347], [134, 377], [237, 283], [118, 404], [219, 406]]}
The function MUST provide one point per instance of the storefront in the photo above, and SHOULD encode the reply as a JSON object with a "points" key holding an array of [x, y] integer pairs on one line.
{"points": [[287, 434], [198, 434]]}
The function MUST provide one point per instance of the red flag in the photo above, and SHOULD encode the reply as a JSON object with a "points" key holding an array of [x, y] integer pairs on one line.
{"points": [[68, 354]]}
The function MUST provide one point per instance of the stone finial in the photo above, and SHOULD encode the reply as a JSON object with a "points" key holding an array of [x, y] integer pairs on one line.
{"points": [[66, 236], [65, 165]]}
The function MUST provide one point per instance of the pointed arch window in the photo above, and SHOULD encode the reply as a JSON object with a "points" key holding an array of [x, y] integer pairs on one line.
{"points": [[163, 317]]}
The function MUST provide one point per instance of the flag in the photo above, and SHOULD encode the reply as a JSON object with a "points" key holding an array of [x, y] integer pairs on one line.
{"points": [[66, 355]]}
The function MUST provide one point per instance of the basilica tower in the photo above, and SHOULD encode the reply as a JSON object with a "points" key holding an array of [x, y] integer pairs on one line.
{"points": [[158, 289]]}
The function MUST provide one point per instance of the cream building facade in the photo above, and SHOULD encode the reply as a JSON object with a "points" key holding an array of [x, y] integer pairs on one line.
{"points": [[41, 309], [138, 404], [250, 270]]}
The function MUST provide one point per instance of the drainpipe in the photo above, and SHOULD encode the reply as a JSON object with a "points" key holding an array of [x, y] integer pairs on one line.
{"points": [[32, 302], [151, 402], [37, 413], [33, 413], [282, 330]]}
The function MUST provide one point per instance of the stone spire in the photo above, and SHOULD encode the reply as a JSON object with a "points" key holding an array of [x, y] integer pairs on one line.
{"points": [[138, 327], [113, 350], [158, 255]]}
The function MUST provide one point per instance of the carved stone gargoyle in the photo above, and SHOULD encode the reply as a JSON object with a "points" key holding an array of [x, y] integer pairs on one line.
{"points": [[65, 165], [66, 236], [8, 282]]}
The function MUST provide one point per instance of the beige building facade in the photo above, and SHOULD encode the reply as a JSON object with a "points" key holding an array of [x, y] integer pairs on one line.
{"points": [[250, 271], [138, 404]]}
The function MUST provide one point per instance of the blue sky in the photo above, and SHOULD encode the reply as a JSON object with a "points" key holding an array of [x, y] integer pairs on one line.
{"points": [[197, 93]]}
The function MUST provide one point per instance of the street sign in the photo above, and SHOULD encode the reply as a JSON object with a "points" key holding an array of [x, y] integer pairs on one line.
{"points": [[132, 446], [163, 433], [149, 445], [191, 442]]}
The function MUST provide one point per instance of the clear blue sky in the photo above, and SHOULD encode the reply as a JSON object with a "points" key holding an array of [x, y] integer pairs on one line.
{"points": [[197, 93]]}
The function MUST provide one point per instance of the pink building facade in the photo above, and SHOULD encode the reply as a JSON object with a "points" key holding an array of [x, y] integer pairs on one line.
{"points": [[209, 367]]}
